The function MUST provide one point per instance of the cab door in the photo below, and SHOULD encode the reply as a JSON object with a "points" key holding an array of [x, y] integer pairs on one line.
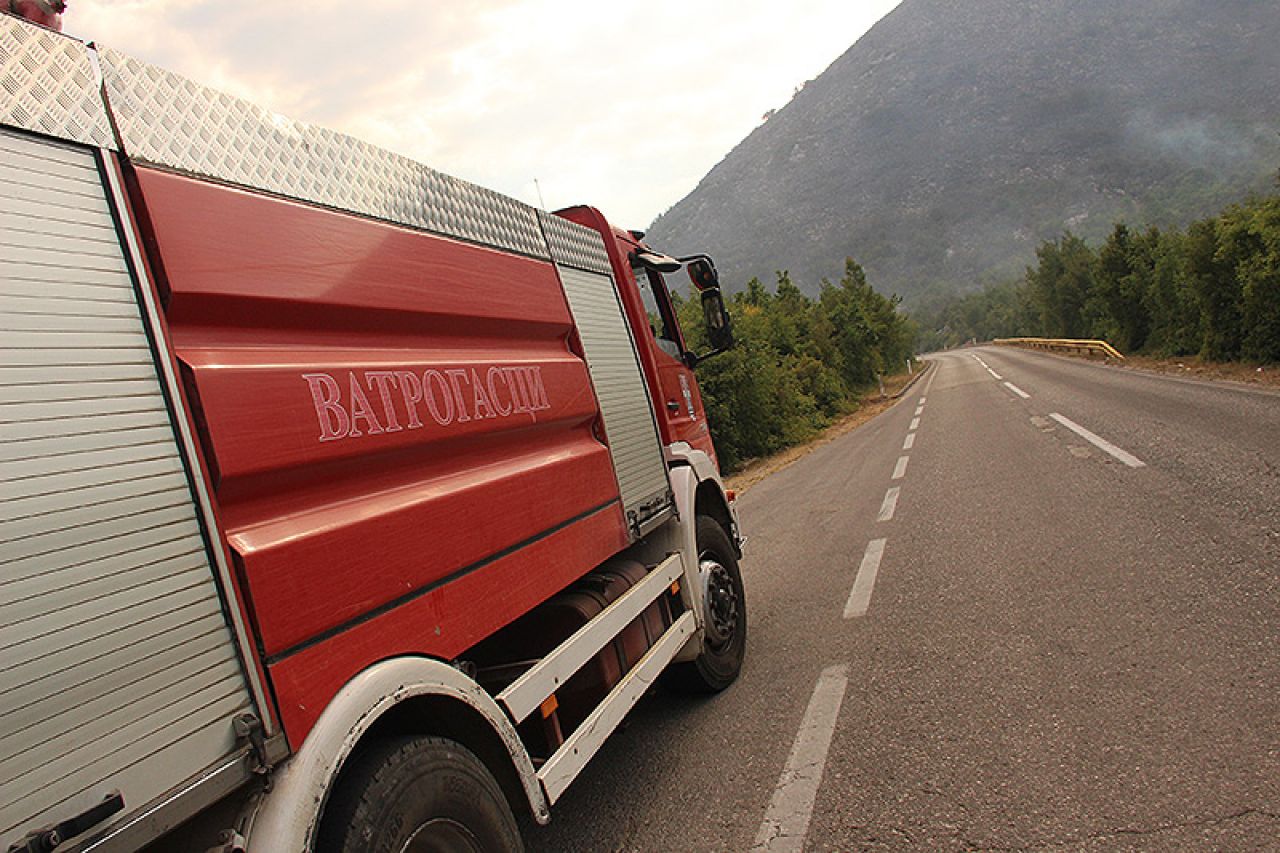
{"points": [[680, 405]]}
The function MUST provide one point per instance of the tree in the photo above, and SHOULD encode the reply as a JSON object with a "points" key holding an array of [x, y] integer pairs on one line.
{"points": [[1249, 241], [1170, 298], [1060, 285], [1118, 297], [798, 362], [1217, 292]]}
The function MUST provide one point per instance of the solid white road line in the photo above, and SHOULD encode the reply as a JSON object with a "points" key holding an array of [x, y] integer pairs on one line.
{"points": [[1015, 389], [910, 442], [1099, 442], [786, 821], [890, 504], [865, 582], [915, 423], [900, 470]]}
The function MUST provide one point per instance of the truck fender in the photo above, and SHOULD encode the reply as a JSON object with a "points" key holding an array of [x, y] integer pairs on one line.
{"points": [[289, 813], [712, 498], [698, 490]]}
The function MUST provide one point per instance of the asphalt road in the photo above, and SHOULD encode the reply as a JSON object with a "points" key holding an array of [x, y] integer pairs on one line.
{"points": [[1040, 641]]}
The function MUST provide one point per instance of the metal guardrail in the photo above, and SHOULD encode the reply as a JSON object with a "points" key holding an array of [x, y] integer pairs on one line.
{"points": [[1063, 345]]}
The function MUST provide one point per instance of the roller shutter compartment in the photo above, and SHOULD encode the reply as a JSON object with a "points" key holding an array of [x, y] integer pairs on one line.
{"points": [[118, 670], [623, 395]]}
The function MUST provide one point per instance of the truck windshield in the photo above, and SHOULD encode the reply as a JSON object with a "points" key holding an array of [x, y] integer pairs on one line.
{"points": [[657, 306]]}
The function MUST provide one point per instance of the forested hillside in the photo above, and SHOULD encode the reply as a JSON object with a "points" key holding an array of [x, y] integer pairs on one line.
{"points": [[1212, 289], [799, 363], [954, 138]]}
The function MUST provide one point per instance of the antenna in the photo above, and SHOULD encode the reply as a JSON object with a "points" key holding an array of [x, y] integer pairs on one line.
{"points": [[538, 187]]}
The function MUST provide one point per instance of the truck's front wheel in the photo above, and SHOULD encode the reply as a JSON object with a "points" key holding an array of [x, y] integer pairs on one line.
{"points": [[417, 795], [724, 610]]}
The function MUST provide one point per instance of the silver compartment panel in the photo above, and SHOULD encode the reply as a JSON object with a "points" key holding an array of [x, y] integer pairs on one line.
{"points": [[117, 666], [170, 121], [622, 392]]}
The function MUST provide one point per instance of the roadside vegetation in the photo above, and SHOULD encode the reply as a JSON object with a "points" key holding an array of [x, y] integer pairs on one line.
{"points": [[1211, 290], [799, 363]]}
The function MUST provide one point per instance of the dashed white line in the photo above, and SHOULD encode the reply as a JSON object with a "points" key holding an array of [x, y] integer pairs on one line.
{"points": [[919, 411], [890, 504], [900, 470], [923, 400], [1015, 389], [1099, 442], [910, 442], [915, 423], [988, 368], [865, 582], [786, 821]]}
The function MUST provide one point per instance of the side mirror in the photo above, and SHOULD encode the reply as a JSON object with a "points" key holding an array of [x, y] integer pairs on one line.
{"points": [[702, 272], [719, 329]]}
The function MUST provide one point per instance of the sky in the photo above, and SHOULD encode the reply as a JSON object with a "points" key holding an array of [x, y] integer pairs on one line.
{"points": [[621, 106]]}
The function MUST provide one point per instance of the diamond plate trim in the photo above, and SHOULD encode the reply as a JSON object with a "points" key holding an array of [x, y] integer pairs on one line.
{"points": [[48, 85], [574, 245], [167, 120]]}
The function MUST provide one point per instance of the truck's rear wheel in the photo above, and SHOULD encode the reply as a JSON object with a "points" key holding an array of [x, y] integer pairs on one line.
{"points": [[417, 795], [724, 606]]}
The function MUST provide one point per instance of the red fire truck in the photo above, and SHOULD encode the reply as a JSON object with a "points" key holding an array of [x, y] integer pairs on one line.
{"points": [[346, 505]]}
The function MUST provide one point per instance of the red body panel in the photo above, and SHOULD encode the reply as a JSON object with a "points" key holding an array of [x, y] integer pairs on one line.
{"points": [[399, 435], [449, 616]]}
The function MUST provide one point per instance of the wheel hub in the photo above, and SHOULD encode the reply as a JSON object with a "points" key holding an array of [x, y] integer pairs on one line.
{"points": [[720, 603]]}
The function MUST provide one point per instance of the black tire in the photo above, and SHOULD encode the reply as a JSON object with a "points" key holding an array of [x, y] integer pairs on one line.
{"points": [[417, 795], [724, 643]]}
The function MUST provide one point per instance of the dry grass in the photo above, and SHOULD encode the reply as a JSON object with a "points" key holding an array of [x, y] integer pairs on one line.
{"points": [[872, 404], [1196, 368]]}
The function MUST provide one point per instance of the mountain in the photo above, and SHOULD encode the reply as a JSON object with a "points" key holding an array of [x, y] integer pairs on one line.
{"points": [[955, 137]]}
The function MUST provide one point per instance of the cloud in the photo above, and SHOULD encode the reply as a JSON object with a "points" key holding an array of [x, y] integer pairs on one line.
{"points": [[623, 106]]}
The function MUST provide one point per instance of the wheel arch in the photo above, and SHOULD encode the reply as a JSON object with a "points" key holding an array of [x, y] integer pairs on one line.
{"points": [[698, 490], [696, 475], [407, 695], [442, 715], [710, 500]]}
